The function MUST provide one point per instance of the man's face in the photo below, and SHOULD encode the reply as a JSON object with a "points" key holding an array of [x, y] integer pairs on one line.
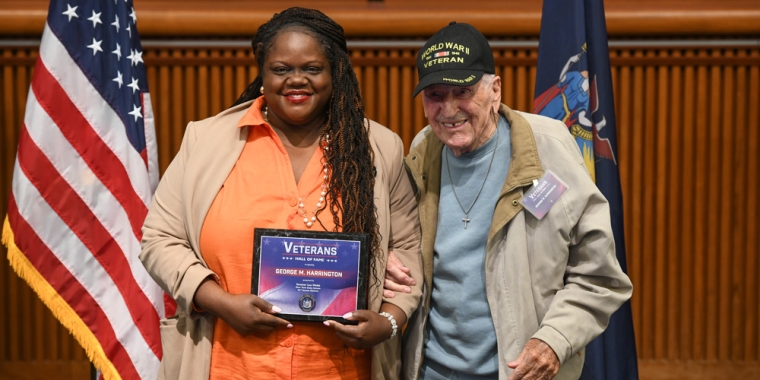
{"points": [[461, 116]]}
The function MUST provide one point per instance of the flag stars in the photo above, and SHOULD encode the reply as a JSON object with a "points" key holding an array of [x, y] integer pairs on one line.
{"points": [[95, 18], [119, 79], [129, 30], [135, 56], [133, 15], [95, 46], [71, 12], [136, 112], [116, 23], [133, 85], [117, 52]]}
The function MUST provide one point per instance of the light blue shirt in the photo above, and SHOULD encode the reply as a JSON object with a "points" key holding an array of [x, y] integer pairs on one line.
{"points": [[461, 340]]}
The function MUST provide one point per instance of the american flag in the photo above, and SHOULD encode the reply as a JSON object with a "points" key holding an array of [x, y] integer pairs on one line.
{"points": [[85, 173]]}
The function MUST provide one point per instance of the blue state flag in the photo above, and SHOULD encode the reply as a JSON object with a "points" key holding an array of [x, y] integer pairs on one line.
{"points": [[574, 85]]}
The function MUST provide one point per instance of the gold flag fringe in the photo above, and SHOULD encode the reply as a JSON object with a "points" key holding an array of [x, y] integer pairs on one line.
{"points": [[60, 308]]}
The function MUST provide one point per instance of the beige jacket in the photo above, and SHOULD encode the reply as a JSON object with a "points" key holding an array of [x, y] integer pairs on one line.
{"points": [[555, 279], [170, 245]]}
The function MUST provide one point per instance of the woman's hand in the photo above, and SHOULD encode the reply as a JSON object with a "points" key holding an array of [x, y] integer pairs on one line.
{"points": [[372, 329], [245, 313]]}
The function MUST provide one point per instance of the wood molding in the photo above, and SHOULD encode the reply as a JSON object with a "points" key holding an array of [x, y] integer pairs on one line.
{"points": [[692, 370], [648, 370], [171, 18]]}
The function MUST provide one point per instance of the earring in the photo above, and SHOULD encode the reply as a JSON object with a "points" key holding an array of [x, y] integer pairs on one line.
{"points": [[262, 89]]}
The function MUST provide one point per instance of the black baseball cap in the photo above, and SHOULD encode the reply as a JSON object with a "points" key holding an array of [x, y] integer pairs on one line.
{"points": [[458, 54]]}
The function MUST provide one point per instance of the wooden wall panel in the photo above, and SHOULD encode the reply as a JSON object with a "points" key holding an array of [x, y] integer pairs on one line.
{"points": [[688, 165], [689, 142]]}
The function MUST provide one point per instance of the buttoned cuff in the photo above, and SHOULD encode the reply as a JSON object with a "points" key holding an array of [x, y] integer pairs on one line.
{"points": [[556, 341]]}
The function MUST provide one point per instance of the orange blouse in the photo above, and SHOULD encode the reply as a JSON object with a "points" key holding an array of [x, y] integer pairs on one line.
{"points": [[261, 191]]}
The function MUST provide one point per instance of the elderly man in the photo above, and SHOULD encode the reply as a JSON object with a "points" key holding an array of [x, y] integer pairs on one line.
{"points": [[518, 254]]}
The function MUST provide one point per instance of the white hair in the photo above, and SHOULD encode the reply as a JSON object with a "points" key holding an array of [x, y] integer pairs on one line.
{"points": [[487, 79]]}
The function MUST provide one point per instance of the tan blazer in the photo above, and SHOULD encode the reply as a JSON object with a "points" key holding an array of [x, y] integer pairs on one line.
{"points": [[171, 233]]}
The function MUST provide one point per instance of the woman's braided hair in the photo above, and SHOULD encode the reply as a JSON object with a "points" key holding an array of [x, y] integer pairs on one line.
{"points": [[349, 155]]}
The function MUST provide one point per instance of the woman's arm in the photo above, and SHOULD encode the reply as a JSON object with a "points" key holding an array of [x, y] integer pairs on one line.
{"points": [[166, 250]]}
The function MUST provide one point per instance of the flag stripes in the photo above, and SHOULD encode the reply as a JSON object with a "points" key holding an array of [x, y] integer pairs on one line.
{"points": [[78, 218], [51, 142], [53, 236], [65, 286], [105, 165], [100, 116]]}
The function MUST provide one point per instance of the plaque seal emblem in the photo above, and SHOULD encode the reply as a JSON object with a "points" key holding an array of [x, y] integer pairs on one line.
{"points": [[307, 302]]}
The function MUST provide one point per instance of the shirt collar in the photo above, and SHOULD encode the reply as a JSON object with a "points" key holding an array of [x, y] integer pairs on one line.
{"points": [[253, 116]]}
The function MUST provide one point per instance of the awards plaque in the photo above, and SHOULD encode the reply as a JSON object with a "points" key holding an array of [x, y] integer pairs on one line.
{"points": [[311, 276]]}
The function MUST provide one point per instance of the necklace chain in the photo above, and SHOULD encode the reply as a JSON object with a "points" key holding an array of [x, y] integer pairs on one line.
{"points": [[466, 218], [301, 210], [324, 187]]}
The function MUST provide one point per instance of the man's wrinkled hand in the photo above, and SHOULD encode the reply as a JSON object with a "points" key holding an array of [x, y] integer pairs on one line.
{"points": [[397, 277], [537, 361]]}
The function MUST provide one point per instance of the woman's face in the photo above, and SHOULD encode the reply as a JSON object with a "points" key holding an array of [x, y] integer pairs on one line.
{"points": [[297, 81]]}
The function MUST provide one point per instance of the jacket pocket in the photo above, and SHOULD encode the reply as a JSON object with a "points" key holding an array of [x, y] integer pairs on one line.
{"points": [[173, 332]]}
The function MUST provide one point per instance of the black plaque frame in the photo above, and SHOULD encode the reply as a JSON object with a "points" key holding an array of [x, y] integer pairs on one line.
{"points": [[363, 257]]}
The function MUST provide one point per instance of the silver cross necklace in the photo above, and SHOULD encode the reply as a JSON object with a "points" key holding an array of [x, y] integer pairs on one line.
{"points": [[466, 218]]}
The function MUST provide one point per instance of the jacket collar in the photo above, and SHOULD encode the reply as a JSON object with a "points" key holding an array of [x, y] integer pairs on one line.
{"points": [[525, 165]]}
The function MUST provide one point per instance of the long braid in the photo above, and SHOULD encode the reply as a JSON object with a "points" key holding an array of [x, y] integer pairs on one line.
{"points": [[349, 155]]}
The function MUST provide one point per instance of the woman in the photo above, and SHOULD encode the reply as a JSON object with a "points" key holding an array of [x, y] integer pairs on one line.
{"points": [[302, 156]]}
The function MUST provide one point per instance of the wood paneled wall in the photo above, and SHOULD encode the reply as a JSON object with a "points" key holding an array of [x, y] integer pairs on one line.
{"points": [[688, 140], [688, 129]]}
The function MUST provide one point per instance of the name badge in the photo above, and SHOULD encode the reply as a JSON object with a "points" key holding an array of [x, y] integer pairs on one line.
{"points": [[544, 194]]}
